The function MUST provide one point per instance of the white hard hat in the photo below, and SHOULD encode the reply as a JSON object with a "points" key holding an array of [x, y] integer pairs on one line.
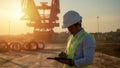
{"points": [[70, 18]]}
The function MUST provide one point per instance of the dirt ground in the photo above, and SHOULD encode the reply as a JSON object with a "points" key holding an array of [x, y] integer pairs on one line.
{"points": [[110, 48], [37, 59]]}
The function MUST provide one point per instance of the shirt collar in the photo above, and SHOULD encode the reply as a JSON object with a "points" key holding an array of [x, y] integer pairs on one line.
{"points": [[79, 32]]}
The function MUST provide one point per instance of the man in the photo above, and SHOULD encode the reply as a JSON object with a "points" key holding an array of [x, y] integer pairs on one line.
{"points": [[81, 45]]}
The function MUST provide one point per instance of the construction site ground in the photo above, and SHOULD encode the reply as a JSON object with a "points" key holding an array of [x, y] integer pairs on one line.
{"points": [[37, 59]]}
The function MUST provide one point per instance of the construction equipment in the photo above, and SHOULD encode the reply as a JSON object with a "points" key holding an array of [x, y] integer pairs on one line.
{"points": [[3, 46], [18, 46], [42, 18]]}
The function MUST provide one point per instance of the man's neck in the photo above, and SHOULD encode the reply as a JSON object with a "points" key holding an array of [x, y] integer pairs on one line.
{"points": [[77, 31]]}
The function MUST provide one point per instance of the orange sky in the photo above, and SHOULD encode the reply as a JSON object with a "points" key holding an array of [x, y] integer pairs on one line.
{"points": [[108, 10]]}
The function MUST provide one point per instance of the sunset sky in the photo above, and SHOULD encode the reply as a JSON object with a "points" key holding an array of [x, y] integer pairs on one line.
{"points": [[107, 10]]}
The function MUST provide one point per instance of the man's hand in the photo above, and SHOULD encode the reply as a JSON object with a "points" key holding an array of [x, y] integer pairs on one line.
{"points": [[63, 54]]}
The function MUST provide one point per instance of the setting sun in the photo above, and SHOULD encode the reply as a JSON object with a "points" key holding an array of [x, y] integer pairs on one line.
{"points": [[109, 18], [18, 14]]}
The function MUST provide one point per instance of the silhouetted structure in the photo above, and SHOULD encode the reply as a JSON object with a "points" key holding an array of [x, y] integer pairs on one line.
{"points": [[42, 18], [108, 36]]}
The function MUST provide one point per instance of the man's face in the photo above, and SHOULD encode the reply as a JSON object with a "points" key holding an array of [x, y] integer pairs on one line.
{"points": [[72, 29]]}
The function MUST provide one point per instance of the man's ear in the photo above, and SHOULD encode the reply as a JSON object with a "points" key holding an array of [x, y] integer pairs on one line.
{"points": [[80, 24], [80, 21]]}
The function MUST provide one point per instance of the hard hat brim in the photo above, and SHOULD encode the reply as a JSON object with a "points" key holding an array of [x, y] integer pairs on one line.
{"points": [[65, 25]]}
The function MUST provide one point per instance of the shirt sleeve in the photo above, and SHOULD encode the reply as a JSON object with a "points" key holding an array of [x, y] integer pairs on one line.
{"points": [[88, 52]]}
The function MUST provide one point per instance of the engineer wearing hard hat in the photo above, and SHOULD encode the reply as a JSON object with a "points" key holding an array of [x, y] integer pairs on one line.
{"points": [[81, 45]]}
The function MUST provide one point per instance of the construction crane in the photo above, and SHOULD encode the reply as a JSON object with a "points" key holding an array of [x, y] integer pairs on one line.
{"points": [[38, 17], [42, 18]]}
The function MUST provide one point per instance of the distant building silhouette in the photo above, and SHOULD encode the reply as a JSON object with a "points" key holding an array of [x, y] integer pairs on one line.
{"points": [[108, 36]]}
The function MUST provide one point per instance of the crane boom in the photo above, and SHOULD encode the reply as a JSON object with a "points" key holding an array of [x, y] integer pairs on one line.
{"points": [[42, 22]]}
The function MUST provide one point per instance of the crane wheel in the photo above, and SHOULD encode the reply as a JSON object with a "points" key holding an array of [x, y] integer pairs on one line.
{"points": [[25, 47], [4, 46], [15, 46], [32, 46], [41, 45]]}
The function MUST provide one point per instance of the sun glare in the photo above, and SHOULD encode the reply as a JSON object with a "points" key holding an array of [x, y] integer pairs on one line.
{"points": [[17, 14]]}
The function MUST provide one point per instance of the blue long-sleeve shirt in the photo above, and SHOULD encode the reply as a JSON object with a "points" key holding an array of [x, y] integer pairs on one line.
{"points": [[84, 54]]}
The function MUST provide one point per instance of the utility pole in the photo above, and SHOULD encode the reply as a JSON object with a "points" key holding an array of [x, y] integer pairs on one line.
{"points": [[9, 29], [9, 26], [98, 23]]}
